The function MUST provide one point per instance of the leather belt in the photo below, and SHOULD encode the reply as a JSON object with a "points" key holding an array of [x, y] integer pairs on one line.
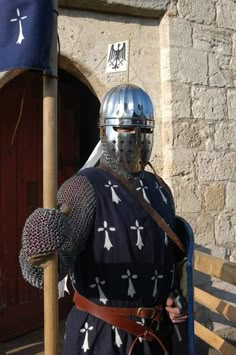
{"points": [[118, 318]]}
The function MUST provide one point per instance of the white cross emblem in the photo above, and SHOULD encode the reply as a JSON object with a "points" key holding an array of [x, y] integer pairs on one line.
{"points": [[162, 194], [114, 196], [131, 290], [138, 228], [107, 244], [98, 283], [143, 188], [155, 277], [19, 19], [85, 330], [118, 341]]}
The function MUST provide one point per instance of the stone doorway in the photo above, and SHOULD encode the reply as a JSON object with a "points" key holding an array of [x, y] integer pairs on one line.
{"points": [[21, 305]]}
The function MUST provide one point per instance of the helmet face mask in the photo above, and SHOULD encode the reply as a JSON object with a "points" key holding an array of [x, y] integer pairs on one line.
{"points": [[127, 123]]}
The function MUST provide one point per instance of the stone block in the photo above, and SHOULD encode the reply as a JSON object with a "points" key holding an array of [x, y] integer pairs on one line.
{"points": [[204, 230], [225, 229], [206, 133], [186, 135], [231, 196], [188, 197], [188, 66], [209, 103], [225, 134], [216, 166], [214, 197], [179, 164], [231, 103], [226, 14], [212, 40], [180, 33], [220, 70], [176, 100], [200, 11]]}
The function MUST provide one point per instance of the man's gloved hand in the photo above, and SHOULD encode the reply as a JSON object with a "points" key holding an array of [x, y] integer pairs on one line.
{"points": [[176, 307]]}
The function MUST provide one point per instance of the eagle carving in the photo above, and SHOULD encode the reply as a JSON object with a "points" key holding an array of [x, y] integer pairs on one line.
{"points": [[117, 55]]}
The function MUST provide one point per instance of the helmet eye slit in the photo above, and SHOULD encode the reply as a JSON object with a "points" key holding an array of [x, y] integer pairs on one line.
{"points": [[124, 129]]}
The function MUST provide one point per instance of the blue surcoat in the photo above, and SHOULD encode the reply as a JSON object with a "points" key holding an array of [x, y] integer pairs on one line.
{"points": [[128, 261]]}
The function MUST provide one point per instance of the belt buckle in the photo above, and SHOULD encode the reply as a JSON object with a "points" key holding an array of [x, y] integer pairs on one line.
{"points": [[146, 309]]}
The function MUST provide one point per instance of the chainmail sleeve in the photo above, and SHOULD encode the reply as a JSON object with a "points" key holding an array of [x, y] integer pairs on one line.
{"points": [[47, 230], [78, 193]]}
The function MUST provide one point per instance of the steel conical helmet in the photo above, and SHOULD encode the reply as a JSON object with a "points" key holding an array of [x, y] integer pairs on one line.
{"points": [[127, 119], [127, 104]]}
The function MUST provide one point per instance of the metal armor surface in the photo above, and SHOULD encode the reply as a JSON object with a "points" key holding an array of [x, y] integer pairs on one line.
{"points": [[127, 122], [48, 230]]}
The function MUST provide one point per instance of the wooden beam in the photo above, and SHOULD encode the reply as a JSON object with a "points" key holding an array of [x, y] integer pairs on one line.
{"points": [[214, 266], [215, 304], [51, 325], [213, 340]]}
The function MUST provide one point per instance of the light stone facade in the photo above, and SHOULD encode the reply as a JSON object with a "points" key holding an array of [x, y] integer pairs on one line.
{"points": [[197, 70], [197, 55], [183, 52]]}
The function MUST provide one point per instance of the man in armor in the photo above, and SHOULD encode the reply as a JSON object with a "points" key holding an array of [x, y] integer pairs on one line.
{"points": [[122, 261]]}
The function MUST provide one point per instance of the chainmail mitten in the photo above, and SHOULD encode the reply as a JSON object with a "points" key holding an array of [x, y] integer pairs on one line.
{"points": [[44, 232], [32, 274]]}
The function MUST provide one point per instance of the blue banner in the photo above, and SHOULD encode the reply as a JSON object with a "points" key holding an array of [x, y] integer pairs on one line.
{"points": [[25, 34]]}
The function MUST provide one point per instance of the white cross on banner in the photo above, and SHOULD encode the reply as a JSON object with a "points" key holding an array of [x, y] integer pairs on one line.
{"points": [[25, 34], [117, 57]]}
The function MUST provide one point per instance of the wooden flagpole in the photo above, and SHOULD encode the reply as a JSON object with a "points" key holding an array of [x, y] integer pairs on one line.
{"points": [[50, 84]]}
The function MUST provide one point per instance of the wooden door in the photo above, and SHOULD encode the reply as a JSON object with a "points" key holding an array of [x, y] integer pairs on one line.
{"points": [[21, 305]]}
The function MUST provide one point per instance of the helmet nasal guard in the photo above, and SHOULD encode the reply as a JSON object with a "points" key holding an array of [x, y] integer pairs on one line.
{"points": [[127, 123]]}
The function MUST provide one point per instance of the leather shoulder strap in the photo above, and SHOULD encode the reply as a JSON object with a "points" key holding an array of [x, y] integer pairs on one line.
{"points": [[148, 208]]}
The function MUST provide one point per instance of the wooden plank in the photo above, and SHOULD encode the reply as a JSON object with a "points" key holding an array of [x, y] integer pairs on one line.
{"points": [[214, 266], [215, 304], [214, 340]]}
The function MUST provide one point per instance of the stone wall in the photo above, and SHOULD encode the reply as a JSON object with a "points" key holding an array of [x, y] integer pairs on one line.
{"points": [[198, 107], [84, 39], [198, 75]]}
